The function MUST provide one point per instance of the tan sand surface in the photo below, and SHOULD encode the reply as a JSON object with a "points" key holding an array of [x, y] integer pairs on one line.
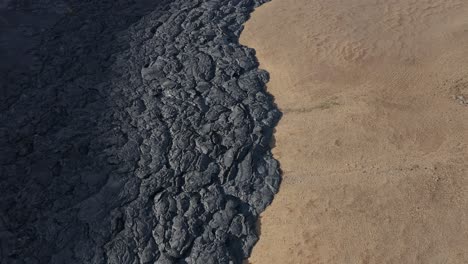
{"points": [[373, 143]]}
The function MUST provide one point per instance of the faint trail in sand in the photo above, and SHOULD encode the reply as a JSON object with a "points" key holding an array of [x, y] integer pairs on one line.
{"points": [[373, 143]]}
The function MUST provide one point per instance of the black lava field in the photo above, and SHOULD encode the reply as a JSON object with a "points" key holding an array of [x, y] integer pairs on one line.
{"points": [[131, 132]]}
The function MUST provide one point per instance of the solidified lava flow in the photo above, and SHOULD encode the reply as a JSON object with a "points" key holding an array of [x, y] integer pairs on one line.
{"points": [[131, 131]]}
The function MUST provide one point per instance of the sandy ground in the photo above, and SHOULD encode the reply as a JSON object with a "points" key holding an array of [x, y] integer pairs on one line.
{"points": [[373, 143]]}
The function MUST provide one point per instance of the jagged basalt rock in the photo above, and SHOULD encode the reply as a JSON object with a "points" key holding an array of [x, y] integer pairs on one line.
{"points": [[133, 132]]}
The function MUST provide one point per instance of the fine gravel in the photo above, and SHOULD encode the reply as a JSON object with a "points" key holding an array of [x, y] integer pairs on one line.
{"points": [[131, 131]]}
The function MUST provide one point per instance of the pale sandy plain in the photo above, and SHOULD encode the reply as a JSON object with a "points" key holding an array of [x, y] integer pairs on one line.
{"points": [[373, 143]]}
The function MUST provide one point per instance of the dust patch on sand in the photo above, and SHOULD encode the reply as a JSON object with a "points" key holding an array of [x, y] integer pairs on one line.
{"points": [[373, 142]]}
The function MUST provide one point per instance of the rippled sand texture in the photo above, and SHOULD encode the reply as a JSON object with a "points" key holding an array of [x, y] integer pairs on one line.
{"points": [[373, 141]]}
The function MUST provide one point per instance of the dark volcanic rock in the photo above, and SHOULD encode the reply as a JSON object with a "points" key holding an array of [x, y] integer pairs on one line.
{"points": [[131, 131]]}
